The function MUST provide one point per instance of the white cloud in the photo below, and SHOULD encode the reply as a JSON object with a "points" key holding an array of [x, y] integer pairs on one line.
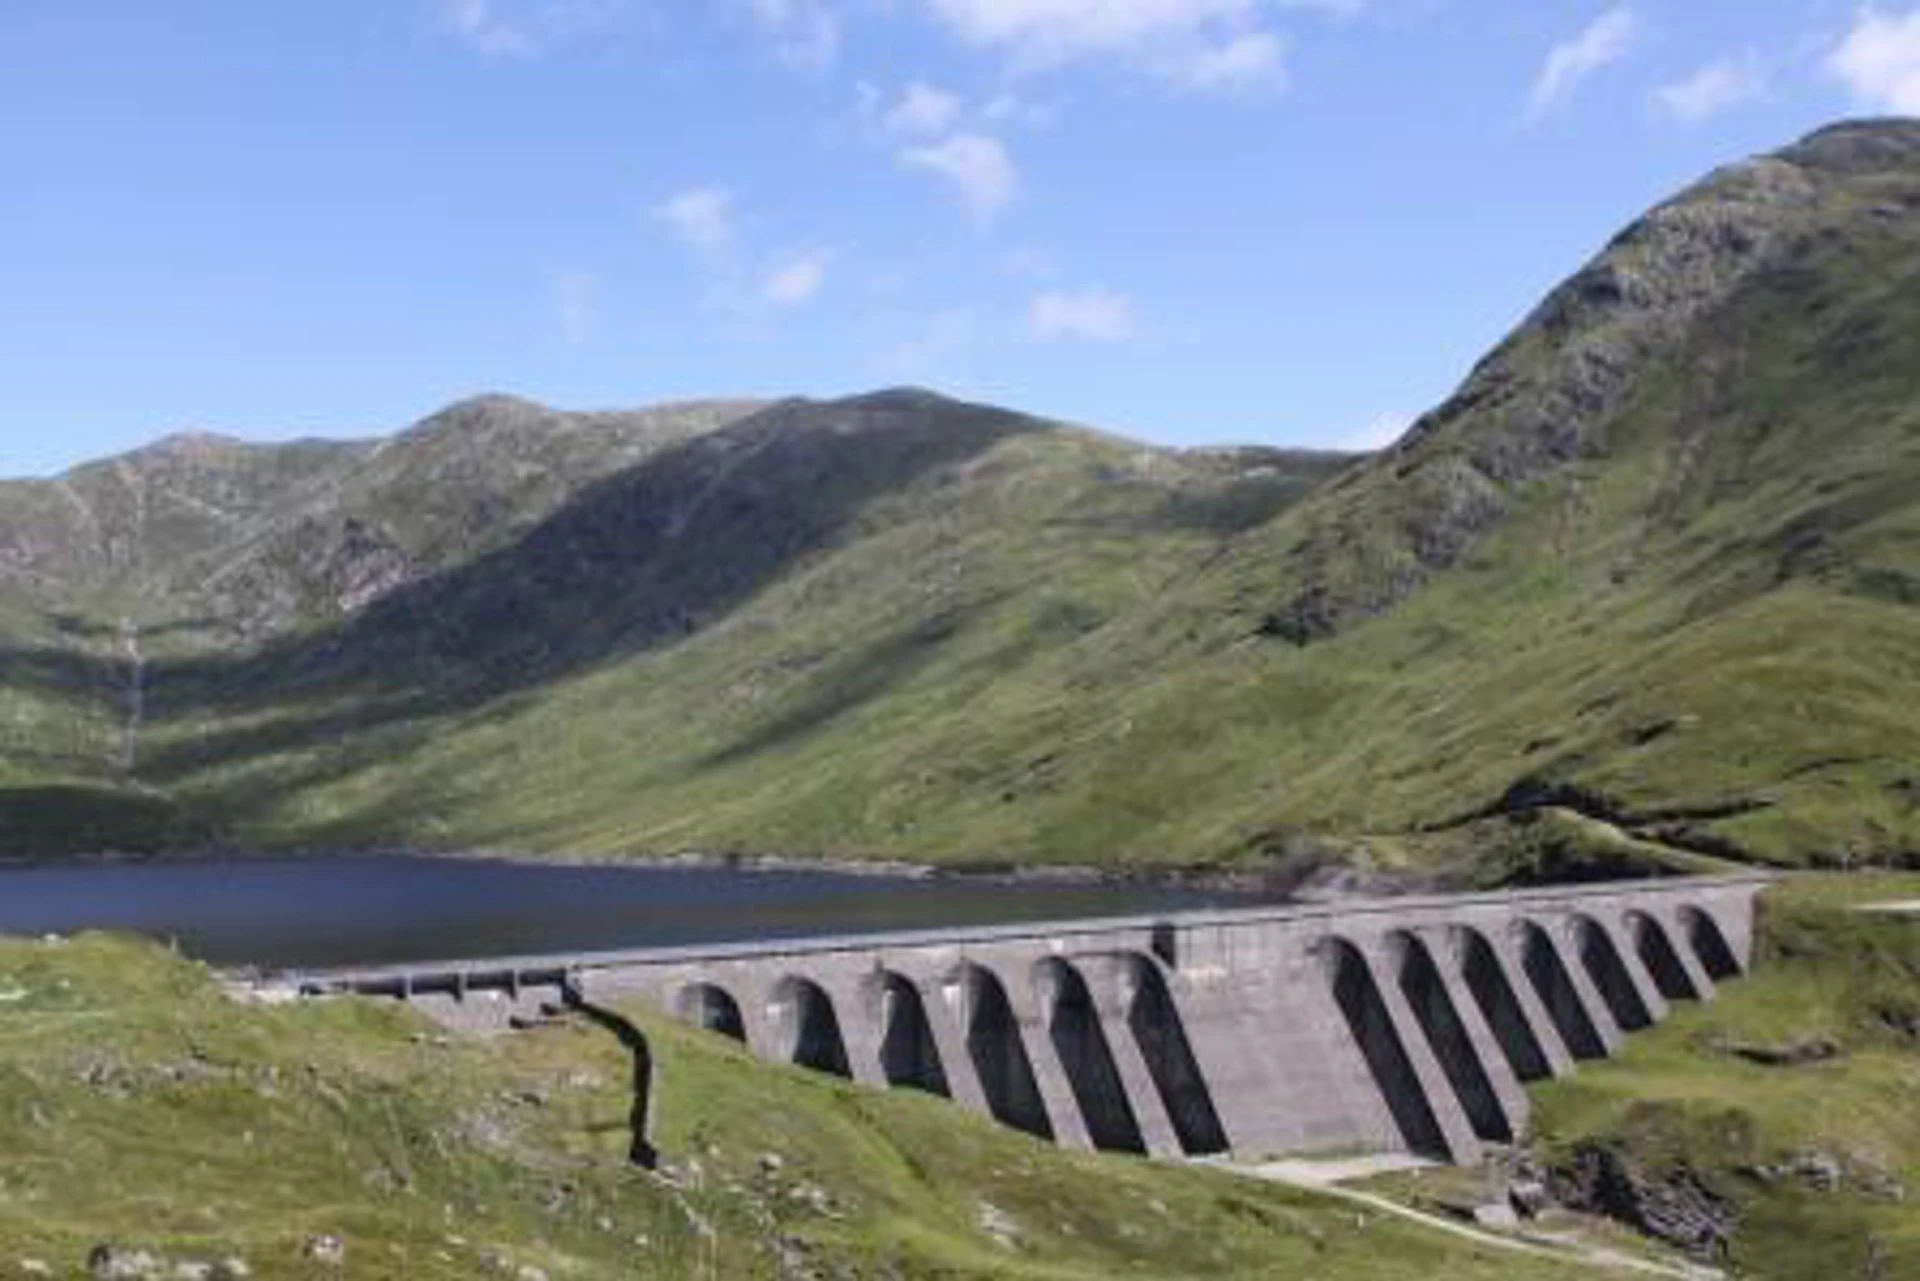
{"points": [[479, 25], [1880, 61], [1604, 41], [806, 33], [702, 217], [1240, 62], [575, 297], [976, 165], [1205, 43], [796, 281], [1714, 88], [1095, 315], [922, 110]]}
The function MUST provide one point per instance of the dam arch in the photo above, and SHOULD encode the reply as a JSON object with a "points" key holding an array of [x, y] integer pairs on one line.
{"points": [[1080, 1042], [711, 1008], [1709, 943], [1427, 995], [1492, 990], [1154, 1021], [807, 1027], [1657, 953], [1373, 1030], [1608, 970], [998, 1051], [909, 1055], [1540, 960]]}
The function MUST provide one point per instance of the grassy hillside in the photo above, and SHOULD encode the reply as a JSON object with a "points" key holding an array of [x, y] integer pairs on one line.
{"points": [[1646, 590], [142, 1108]]}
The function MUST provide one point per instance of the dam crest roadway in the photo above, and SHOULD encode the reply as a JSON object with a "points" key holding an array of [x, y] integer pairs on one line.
{"points": [[1385, 1025]]}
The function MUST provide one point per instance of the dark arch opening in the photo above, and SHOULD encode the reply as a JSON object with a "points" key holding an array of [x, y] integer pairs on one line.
{"points": [[1162, 1037], [1609, 974], [1656, 953], [908, 1055], [1500, 1006], [999, 1057], [1541, 960], [1426, 994], [809, 1028], [1380, 1045], [1709, 944], [1081, 1044], [713, 1009]]}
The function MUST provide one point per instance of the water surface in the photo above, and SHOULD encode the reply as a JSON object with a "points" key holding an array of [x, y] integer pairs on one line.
{"points": [[339, 910]]}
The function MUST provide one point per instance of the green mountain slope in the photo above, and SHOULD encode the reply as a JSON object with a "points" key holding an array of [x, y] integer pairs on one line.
{"points": [[1647, 588]]}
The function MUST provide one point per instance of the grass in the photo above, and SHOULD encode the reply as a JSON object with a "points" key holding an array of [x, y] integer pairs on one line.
{"points": [[140, 1105]]}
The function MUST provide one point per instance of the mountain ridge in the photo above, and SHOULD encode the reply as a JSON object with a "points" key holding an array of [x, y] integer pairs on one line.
{"points": [[1642, 589]]}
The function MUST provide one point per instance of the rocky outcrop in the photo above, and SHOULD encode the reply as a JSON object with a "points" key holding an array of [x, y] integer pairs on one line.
{"points": [[1677, 1206]]}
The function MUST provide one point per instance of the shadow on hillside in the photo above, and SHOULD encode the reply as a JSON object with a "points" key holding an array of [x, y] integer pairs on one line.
{"points": [[636, 562]]}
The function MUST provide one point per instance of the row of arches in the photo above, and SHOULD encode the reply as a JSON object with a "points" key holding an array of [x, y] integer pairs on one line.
{"points": [[1085, 1042], [1522, 1006], [1449, 1022]]}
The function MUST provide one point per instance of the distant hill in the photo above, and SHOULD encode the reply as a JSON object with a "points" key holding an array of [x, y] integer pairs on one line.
{"points": [[1646, 589]]}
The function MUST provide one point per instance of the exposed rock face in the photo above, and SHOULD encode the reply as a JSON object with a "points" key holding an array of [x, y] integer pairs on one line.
{"points": [[1677, 1207]]}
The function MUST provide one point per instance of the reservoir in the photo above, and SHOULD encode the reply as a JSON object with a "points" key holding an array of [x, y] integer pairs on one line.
{"points": [[318, 911]]}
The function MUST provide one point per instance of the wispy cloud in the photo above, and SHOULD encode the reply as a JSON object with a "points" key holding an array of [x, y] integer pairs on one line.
{"points": [[503, 30], [1714, 88], [922, 109], [805, 33], [795, 281], [479, 25], [1248, 60], [975, 165], [1094, 315], [1200, 43], [699, 217], [1603, 42], [1880, 60]]}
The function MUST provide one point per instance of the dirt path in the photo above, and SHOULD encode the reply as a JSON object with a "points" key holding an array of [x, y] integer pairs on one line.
{"points": [[1325, 1178]]}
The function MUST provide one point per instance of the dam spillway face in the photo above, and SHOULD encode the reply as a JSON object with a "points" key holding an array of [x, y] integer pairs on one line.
{"points": [[1387, 1025]]}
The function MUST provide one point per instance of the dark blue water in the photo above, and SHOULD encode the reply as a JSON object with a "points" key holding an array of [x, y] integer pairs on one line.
{"points": [[320, 911]]}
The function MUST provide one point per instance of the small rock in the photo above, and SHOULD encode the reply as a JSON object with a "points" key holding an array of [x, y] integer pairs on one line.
{"points": [[192, 1270], [528, 1272], [34, 1268], [328, 1251], [772, 1162], [1499, 1215], [117, 1263], [232, 1268], [1529, 1197], [1817, 1049]]}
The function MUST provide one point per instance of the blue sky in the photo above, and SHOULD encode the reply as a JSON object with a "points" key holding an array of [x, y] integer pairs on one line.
{"points": [[1287, 221]]}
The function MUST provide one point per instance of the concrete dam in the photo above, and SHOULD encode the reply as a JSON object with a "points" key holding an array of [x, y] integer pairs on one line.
{"points": [[1404, 1024]]}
